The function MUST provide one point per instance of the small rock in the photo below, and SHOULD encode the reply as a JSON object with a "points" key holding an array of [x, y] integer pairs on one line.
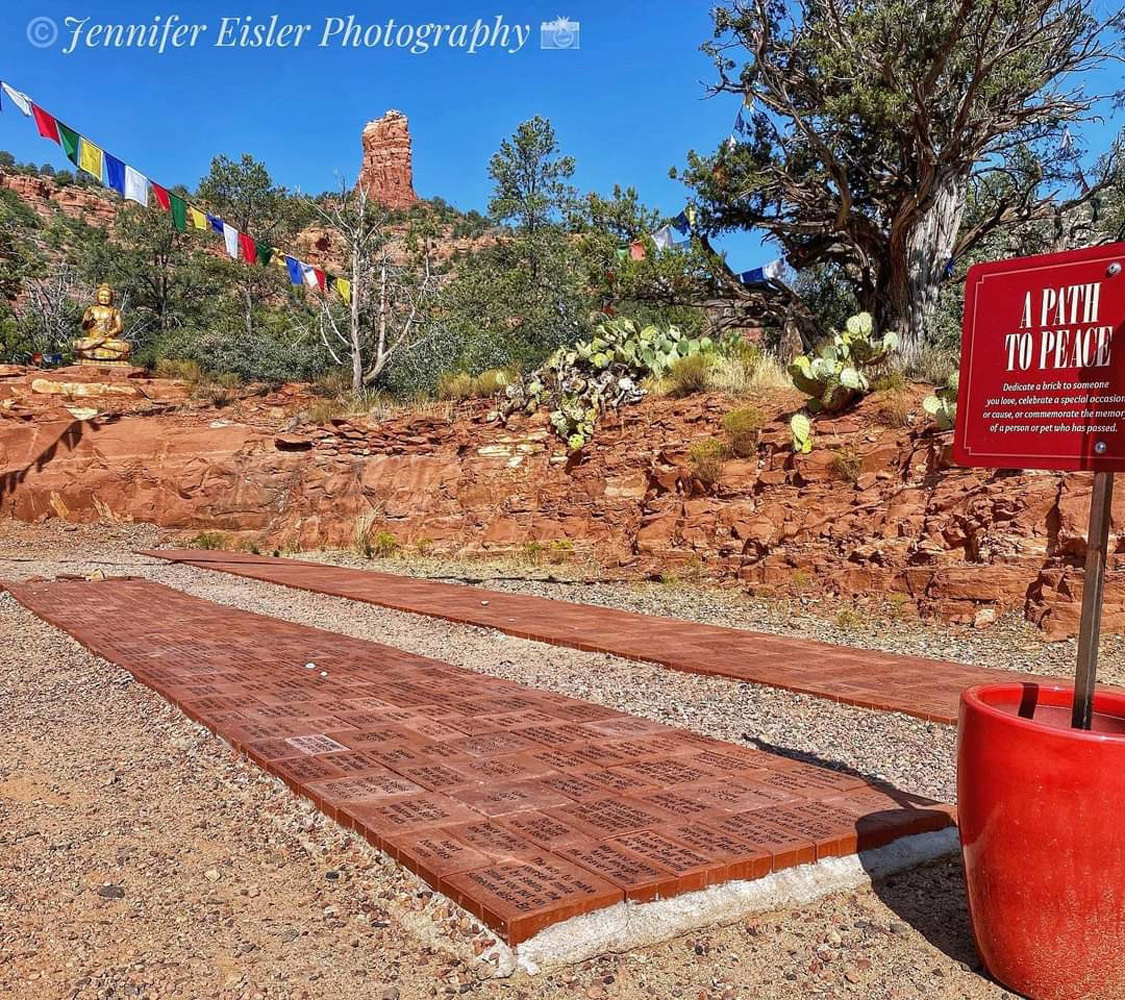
{"points": [[290, 934], [212, 875], [390, 993], [111, 891], [984, 617], [898, 927]]}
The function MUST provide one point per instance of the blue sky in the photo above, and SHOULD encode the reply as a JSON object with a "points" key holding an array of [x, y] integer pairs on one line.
{"points": [[627, 105]]}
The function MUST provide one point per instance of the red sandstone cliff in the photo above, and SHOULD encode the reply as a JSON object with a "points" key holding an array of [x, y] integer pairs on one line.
{"points": [[387, 173]]}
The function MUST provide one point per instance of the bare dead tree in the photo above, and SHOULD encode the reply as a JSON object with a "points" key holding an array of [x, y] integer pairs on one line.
{"points": [[49, 308], [392, 289]]}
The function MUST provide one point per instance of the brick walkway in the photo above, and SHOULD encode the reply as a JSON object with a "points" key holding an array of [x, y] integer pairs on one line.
{"points": [[927, 689], [525, 807]]}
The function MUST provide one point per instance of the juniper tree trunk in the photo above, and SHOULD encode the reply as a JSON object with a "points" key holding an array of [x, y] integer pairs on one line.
{"points": [[919, 253]]}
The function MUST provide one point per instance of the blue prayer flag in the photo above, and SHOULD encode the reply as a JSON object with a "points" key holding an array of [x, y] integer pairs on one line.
{"points": [[217, 224], [115, 174], [681, 225], [295, 273]]}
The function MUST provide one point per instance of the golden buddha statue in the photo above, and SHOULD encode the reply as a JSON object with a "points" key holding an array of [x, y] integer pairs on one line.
{"points": [[102, 325]]}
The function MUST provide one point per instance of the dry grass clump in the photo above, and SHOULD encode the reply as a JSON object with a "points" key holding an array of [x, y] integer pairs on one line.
{"points": [[847, 465], [744, 426], [690, 375], [707, 457]]}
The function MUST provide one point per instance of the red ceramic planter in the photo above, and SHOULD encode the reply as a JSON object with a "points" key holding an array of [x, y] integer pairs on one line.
{"points": [[1042, 814]]}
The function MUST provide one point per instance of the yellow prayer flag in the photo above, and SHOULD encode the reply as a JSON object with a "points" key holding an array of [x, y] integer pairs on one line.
{"points": [[90, 158], [344, 287], [198, 218]]}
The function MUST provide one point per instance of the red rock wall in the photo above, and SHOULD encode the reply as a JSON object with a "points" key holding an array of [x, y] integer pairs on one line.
{"points": [[900, 526]]}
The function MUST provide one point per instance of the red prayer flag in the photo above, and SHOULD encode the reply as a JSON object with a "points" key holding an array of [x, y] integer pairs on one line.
{"points": [[637, 251], [249, 248], [162, 198], [46, 124], [320, 278]]}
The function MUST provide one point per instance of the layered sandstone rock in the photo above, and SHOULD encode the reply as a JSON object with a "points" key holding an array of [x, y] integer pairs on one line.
{"points": [[43, 194], [895, 524], [387, 173]]}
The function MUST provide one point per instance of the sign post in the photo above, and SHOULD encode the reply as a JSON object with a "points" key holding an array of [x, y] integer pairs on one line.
{"points": [[1042, 386]]}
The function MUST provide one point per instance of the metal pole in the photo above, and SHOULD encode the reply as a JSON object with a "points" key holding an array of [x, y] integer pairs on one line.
{"points": [[1089, 631]]}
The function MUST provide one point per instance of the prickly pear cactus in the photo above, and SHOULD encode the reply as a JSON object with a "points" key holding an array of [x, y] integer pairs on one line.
{"points": [[941, 404], [580, 382], [835, 378], [801, 428]]}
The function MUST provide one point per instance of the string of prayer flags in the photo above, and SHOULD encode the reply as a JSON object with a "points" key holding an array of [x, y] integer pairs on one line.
{"points": [[136, 186], [230, 237], [248, 247], [20, 100], [48, 127], [115, 174]]}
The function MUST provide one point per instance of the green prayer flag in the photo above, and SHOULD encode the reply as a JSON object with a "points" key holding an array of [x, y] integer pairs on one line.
{"points": [[69, 139], [264, 254], [179, 212]]}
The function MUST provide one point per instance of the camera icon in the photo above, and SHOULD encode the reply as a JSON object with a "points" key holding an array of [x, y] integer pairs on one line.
{"points": [[561, 33]]}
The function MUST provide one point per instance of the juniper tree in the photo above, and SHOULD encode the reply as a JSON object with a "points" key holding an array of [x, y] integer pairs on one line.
{"points": [[872, 122]]}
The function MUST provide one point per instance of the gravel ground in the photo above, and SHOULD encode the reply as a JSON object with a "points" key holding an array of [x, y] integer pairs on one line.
{"points": [[138, 857]]}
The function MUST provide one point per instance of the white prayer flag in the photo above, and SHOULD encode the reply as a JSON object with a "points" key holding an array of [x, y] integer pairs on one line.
{"points": [[21, 101], [136, 186], [663, 238], [309, 273], [230, 235]]}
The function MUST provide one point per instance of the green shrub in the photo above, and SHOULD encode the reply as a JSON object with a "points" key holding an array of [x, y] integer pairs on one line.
{"points": [[491, 382], [179, 370], [384, 545], [455, 386], [707, 458], [532, 552], [559, 551], [743, 427], [690, 376], [424, 546], [211, 540]]}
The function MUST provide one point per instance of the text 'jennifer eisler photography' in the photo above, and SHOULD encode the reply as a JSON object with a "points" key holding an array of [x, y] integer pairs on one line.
{"points": [[170, 33]]}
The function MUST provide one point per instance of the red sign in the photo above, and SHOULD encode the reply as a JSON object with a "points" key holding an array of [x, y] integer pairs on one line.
{"points": [[1043, 363]]}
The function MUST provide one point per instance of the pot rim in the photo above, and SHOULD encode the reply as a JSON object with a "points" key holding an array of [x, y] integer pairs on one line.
{"points": [[971, 697]]}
